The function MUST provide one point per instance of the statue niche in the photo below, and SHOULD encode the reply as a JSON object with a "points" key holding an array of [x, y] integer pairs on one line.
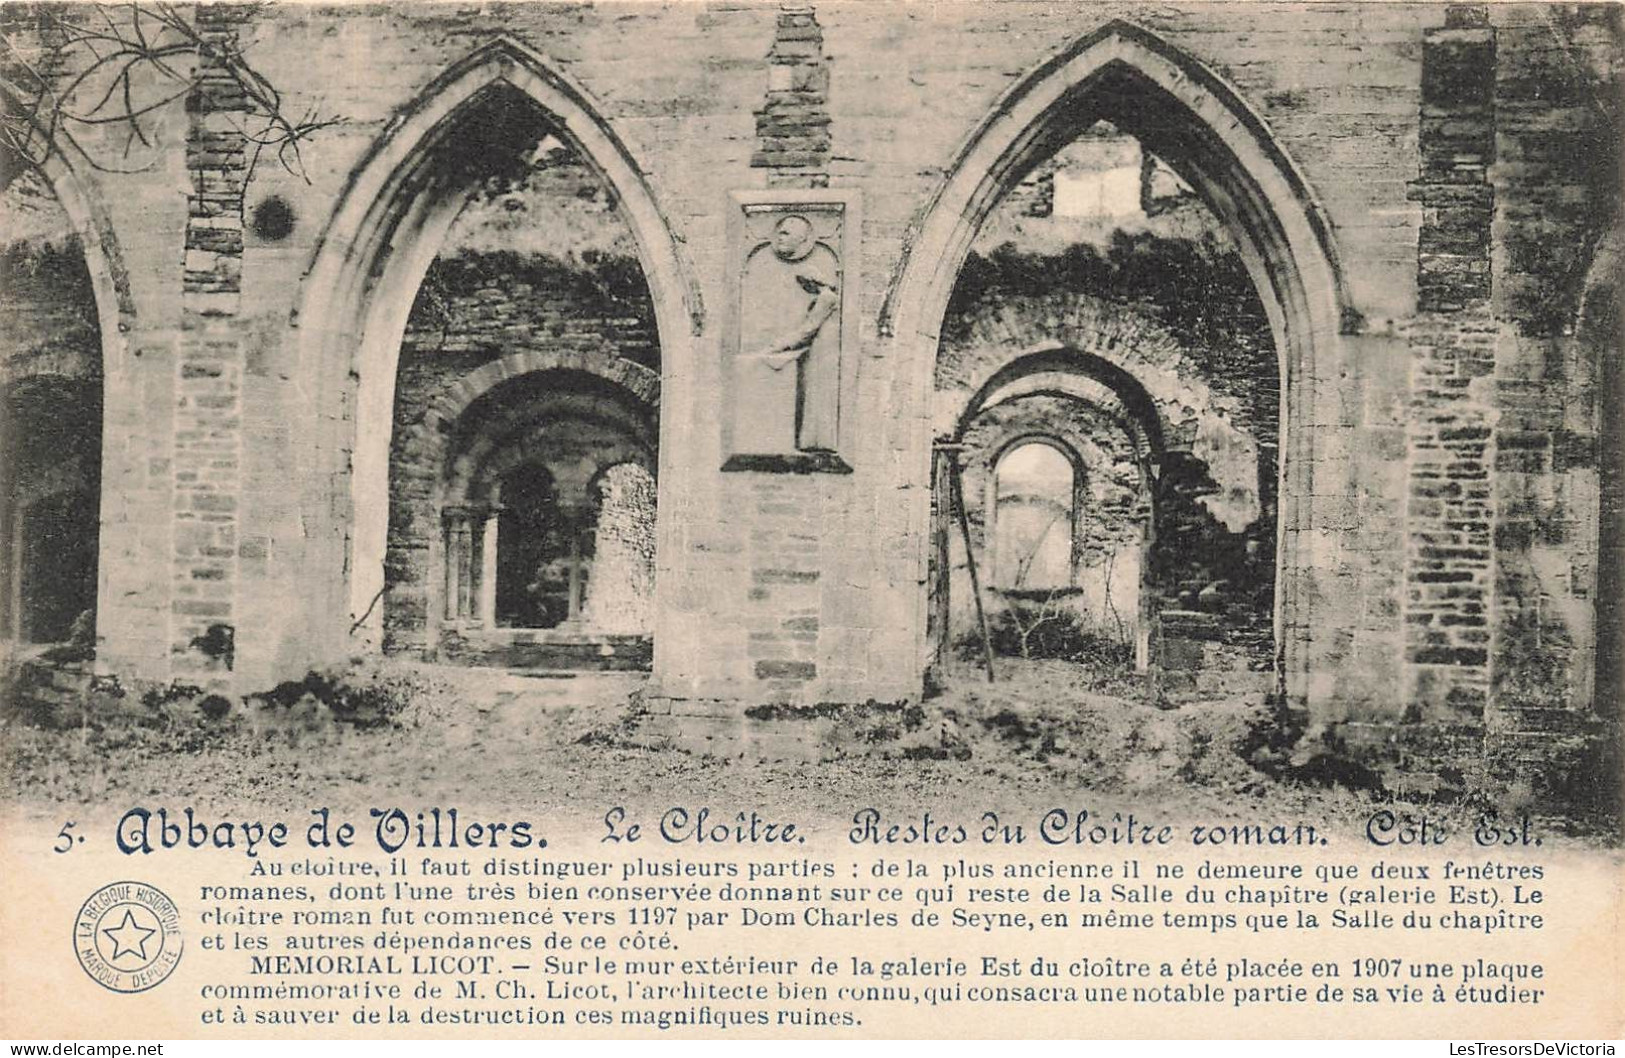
{"points": [[787, 375]]}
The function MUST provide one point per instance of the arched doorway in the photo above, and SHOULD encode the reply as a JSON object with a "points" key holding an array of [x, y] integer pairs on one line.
{"points": [[543, 518], [51, 365], [1188, 119], [489, 118]]}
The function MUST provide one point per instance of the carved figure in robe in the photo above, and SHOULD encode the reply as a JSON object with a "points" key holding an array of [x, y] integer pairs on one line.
{"points": [[789, 363]]}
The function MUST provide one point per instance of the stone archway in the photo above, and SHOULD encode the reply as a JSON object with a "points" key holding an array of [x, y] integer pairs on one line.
{"points": [[1200, 126], [384, 234], [57, 477], [1110, 432], [531, 550]]}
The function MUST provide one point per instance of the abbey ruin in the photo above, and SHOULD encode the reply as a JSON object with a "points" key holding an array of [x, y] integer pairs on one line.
{"points": [[798, 353]]}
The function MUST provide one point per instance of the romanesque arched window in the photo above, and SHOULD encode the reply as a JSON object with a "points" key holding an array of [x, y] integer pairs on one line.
{"points": [[543, 554], [546, 507], [1034, 516]]}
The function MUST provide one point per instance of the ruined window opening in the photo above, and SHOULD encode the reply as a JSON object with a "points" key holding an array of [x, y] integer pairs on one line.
{"points": [[1101, 279], [56, 573], [51, 420], [1033, 515], [544, 552]]}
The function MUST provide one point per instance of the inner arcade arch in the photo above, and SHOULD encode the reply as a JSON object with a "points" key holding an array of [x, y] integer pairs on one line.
{"points": [[1191, 119], [479, 116]]}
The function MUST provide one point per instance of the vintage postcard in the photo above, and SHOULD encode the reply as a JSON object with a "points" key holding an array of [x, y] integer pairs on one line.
{"points": [[831, 520]]}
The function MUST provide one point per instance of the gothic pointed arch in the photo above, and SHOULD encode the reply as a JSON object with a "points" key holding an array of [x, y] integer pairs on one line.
{"points": [[56, 474], [81, 200], [390, 222], [1199, 125]]}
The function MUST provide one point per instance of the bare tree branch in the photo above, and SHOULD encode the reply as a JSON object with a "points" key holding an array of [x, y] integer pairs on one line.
{"points": [[84, 68]]}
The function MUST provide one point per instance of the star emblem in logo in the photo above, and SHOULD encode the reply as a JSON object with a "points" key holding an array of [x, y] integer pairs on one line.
{"points": [[128, 937]]}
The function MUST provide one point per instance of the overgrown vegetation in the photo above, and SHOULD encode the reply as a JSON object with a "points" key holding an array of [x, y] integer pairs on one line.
{"points": [[1042, 735], [1198, 288], [182, 717]]}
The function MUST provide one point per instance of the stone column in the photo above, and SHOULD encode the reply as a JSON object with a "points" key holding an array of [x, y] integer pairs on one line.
{"points": [[487, 609], [455, 522], [208, 386], [575, 519]]}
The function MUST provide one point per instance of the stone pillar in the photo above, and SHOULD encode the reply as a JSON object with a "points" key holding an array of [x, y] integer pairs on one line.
{"points": [[575, 519], [620, 594], [456, 536], [1449, 511], [208, 392], [939, 612], [487, 609]]}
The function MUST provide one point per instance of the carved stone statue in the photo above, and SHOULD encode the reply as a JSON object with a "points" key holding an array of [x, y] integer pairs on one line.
{"points": [[789, 362]]}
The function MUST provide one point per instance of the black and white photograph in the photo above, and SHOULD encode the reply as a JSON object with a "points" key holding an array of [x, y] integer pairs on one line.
{"points": [[834, 429]]}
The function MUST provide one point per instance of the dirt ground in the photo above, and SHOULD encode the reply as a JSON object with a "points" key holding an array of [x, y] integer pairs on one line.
{"points": [[1047, 735]]}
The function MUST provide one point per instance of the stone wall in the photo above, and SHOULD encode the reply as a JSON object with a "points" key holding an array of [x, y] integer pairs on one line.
{"points": [[1415, 190], [537, 262]]}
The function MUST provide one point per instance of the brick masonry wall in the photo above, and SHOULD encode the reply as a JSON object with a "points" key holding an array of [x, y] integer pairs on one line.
{"points": [[135, 568], [792, 127], [1198, 412], [696, 112], [208, 390]]}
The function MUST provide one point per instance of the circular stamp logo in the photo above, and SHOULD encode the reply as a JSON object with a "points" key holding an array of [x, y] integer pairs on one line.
{"points": [[128, 936]]}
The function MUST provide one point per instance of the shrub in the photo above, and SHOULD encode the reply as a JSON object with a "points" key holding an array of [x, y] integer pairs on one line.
{"points": [[1034, 628], [370, 701]]}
